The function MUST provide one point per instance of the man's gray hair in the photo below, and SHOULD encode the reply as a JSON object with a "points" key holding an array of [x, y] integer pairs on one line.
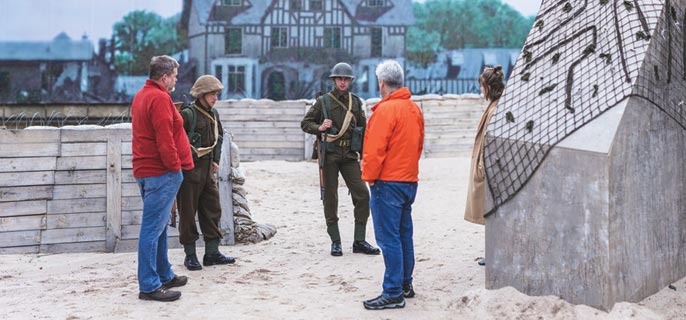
{"points": [[161, 65], [391, 73]]}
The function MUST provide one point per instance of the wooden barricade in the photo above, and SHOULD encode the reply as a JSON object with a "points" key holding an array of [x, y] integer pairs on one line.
{"points": [[72, 190]]}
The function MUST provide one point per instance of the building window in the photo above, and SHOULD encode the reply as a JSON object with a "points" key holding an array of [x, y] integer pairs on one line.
{"points": [[377, 42], [233, 40], [279, 37], [296, 5], [316, 5], [233, 3], [364, 79], [332, 38], [218, 73], [375, 3], [236, 79]]}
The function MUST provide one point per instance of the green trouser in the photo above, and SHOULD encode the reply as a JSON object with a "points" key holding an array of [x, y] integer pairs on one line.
{"points": [[199, 193], [345, 162]]}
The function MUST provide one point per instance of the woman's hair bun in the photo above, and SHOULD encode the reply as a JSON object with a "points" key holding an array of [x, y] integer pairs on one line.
{"points": [[498, 68]]}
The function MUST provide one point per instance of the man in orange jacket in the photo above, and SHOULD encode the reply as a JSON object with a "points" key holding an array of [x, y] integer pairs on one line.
{"points": [[393, 144]]}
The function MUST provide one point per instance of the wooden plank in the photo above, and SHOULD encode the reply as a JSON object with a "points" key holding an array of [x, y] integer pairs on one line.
{"points": [[296, 111], [8, 194], [19, 250], [127, 176], [126, 147], [131, 245], [29, 136], [226, 106], [76, 220], [14, 150], [78, 134], [84, 149], [20, 238], [81, 163], [272, 144], [132, 232], [273, 131], [114, 192], [80, 177], [131, 217], [263, 157], [261, 137], [34, 178], [127, 161], [77, 205], [73, 235], [225, 193], [37, 222], [132, 203], [130, 190], [79, 191], [22, 208], [74, 247], [273, 151], [260, 124], [27, 164]]}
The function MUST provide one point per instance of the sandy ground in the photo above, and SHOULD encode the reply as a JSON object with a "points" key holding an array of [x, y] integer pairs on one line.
{"points": [[292, 276]]}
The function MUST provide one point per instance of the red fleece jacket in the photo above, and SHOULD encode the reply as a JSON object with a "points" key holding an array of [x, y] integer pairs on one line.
{"points": [[159, 144]]}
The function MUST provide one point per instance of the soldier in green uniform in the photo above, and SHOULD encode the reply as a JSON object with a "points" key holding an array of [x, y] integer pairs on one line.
{"points": [[199, 192], [341, 149]]}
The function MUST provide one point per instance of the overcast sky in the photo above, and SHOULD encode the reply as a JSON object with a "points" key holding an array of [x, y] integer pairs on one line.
{"points": [[42, 20]]}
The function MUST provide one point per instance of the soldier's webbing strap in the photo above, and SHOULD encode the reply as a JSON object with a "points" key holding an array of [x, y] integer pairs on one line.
{"points": [[346, 121], [202, 151]]}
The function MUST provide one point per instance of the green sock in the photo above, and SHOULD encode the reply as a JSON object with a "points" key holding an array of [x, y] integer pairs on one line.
{"points": [[212, 246], [333, 232], [189, 249], [360, 230]]}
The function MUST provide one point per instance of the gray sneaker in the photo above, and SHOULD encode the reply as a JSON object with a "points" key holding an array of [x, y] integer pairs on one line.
{"points": [[161, 294]]}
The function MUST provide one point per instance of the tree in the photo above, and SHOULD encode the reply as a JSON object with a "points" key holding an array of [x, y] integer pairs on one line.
{"points": [[142, 35], [456, 24]]}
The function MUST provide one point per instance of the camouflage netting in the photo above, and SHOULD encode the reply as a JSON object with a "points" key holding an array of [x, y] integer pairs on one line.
{"points": [[580, 59], [246, 230]]}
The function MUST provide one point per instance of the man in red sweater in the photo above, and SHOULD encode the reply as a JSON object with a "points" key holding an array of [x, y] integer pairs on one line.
{"points": [[393, 145], [160, 150]]}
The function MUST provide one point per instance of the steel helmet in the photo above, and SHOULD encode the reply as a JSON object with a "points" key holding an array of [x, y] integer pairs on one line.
{"points": [[206, 84], [343, 70]]}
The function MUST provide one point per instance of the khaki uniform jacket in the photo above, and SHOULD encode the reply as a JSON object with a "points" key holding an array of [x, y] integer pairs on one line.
{"points": [[314, 117], [476, 192]]}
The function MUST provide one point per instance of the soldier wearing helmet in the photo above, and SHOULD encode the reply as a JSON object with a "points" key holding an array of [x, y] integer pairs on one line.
{"points": [[341, 146], [198, 192]]}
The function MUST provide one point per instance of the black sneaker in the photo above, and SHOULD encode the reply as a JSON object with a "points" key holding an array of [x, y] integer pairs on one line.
{"points": [[177, 281], [216, 258], [364, 247], [191, 262], [380, 302], [161, 294], [408, 291], [336, 249]]}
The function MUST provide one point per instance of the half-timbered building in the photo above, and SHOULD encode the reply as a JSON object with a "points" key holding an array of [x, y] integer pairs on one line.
{"points": [[284, 49]]}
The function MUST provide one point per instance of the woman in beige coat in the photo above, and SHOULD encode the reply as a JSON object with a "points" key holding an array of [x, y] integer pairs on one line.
{"points": [[491, 81]]}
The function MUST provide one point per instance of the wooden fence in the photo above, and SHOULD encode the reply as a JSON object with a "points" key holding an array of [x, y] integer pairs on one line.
{"points": [[269, 130], [72, 190]]}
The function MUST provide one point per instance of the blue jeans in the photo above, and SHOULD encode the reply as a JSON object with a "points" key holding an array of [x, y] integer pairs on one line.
{"points": [[158, 197], [391, 204]]}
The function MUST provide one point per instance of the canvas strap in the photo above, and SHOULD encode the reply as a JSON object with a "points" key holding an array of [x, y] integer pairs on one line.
{"points": [[346, 121], [201, 152]]}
